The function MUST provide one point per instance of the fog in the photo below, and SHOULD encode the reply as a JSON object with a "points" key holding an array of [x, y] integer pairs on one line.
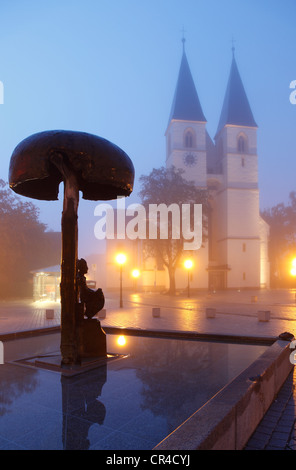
{"points": [[111, 68]]}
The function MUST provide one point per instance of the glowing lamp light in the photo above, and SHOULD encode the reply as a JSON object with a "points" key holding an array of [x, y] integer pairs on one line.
{"points": [[188, 263], [120, 258], [293, 269], [121, 341], [135, 273]]}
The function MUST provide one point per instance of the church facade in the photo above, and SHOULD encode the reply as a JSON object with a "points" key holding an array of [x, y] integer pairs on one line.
{"points": [[235, 255]]}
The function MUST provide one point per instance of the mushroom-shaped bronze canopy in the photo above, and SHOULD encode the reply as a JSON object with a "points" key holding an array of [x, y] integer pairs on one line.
{"points": [[103, 171], [86, 163]]}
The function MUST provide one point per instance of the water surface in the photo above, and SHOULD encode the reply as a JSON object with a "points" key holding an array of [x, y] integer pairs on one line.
{"points": [[131, 403]]}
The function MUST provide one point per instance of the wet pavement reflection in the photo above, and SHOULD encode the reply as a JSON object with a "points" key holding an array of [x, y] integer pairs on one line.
{"points": [[131, 403]]}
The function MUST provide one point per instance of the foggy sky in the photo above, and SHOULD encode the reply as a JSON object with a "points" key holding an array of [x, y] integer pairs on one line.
{"points": [[110, 68]]}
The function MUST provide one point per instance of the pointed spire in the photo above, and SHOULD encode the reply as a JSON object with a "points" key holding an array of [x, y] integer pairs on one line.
{"points": [[183, 39], [186, 105], [236, 109], [233, 48]]}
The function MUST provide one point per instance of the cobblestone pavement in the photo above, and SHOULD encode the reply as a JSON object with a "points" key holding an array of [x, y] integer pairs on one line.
{"points": [[236, 314], [277, 430]]}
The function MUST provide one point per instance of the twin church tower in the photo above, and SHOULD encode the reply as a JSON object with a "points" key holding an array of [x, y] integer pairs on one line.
{"points": [[236, 253], [235, 256]]}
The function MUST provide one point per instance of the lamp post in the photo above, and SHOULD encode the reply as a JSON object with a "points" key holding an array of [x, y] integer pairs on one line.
{"points": [[188, 264], [121, 259]]}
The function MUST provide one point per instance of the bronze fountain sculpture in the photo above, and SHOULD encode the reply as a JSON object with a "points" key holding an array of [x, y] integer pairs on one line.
{"points": [[101, 171]]}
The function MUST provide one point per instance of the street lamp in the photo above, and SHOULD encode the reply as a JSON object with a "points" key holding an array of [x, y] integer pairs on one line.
{"points": [[293, 269], [188, 264], [121, 340], [135, 275], [120, 259]]}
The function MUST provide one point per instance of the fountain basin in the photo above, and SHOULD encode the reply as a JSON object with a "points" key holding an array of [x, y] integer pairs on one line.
{"points": [[166, 390]]}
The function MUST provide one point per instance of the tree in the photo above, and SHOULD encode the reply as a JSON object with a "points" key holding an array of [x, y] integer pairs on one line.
{"points": [[25, 244], [282, 243], [167, 186]]}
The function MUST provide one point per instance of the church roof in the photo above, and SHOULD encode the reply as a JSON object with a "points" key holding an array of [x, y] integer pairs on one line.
{"points": [[236, 109], [186, 105]]}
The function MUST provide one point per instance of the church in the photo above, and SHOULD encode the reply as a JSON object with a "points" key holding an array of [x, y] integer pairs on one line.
{"points": [[235, 255]]}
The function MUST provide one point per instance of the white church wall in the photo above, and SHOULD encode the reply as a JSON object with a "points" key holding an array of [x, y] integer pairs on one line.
{"points": [[220, 226], [244, 263], [242, 210], [241, 170]]}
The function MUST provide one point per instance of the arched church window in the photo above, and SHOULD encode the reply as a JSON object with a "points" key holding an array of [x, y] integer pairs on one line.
{"points": [[189, 139], [241, 144]]}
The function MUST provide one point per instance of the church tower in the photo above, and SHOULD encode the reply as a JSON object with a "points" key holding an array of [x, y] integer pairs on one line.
{"points": [[186, 131], [237, 199], [235, 254]]}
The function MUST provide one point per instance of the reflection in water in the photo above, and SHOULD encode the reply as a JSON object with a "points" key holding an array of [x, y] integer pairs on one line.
{"points": [[143, 398], [136, 298], [177, 377], [83, 397], [12, 386]]}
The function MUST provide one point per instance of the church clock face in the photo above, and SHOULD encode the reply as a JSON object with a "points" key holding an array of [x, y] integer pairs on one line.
{"points": [[190, 159]]}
